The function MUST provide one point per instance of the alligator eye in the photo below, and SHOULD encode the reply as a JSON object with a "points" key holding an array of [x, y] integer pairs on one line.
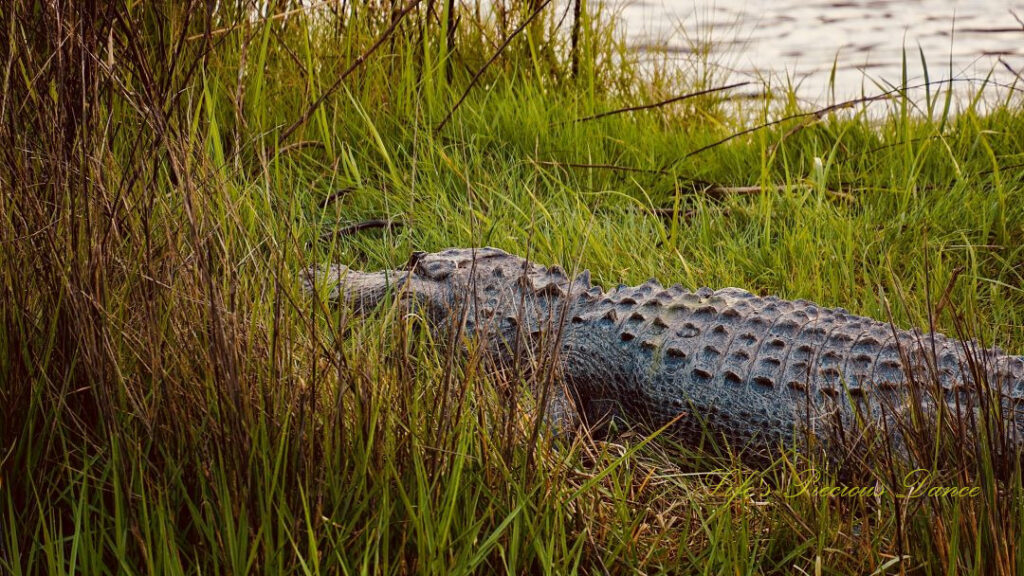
{"points": [[414, 259]]}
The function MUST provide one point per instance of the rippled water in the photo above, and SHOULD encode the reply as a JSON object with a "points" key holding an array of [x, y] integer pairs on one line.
{"points": [[800, 40]]}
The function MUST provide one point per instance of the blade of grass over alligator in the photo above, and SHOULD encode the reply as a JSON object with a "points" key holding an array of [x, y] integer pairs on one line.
{"points": [[754, 371]]}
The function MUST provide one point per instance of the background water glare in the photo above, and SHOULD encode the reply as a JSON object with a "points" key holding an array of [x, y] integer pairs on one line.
{"points": [[798, 41]]}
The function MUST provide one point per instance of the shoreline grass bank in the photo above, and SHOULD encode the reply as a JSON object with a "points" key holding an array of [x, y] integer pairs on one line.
{"points": [[172, 403]]}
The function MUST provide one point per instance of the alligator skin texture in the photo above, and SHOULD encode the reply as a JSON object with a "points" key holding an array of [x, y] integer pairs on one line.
{"points": [[758, 373]]}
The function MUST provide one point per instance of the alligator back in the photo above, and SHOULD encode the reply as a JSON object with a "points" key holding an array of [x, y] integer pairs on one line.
{"points": [[754, 371]]}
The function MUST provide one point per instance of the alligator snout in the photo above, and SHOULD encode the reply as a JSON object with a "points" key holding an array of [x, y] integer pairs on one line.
{"points": [[362, 290]]}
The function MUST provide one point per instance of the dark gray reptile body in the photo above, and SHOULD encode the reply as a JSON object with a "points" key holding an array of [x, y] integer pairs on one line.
{"points": [[754, 371]]}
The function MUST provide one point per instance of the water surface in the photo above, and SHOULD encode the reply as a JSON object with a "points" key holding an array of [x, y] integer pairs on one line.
{"points": [[798, 41]]}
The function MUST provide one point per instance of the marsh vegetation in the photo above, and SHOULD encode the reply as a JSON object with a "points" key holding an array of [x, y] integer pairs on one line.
{"points": [[171, 402]]}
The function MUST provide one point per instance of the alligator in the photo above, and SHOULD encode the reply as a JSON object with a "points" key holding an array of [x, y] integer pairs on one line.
{"points": [[755, 372]]}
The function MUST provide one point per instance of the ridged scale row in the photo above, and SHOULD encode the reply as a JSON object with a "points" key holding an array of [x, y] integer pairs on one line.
{"points": [[749, 364]]}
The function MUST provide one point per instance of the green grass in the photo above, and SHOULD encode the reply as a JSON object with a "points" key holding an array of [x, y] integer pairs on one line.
{"points": [[170, 402]]}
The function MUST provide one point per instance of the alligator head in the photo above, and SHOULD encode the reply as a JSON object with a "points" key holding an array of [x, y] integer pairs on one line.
{"points": [[435, 280]]}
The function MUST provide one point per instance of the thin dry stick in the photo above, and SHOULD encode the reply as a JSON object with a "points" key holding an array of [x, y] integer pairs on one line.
{"points": [[360, 226], [352, 67], [234, 27], [790, 132], [816, 113], [336, 195], [702, 185], [298, 146], [577, 13], [822, 112], [615, 167], [945, 301], [672, 212], [1010, 68], [479, 73], [662, 103], [738, 190], [1001, 168]]}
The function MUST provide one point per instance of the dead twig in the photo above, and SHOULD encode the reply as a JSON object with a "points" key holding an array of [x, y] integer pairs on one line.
{"points": [[271, 18], [684, 215], [814, 114], [615, 167], [298, 146], [698, 185], [945, 300], [1000, 168], [479, 73], [335, 196], [359, 227], [662, 103], [791, 132], [352, 68], [738, 190], [1010, 68], [832, 108], [577, 12]]}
